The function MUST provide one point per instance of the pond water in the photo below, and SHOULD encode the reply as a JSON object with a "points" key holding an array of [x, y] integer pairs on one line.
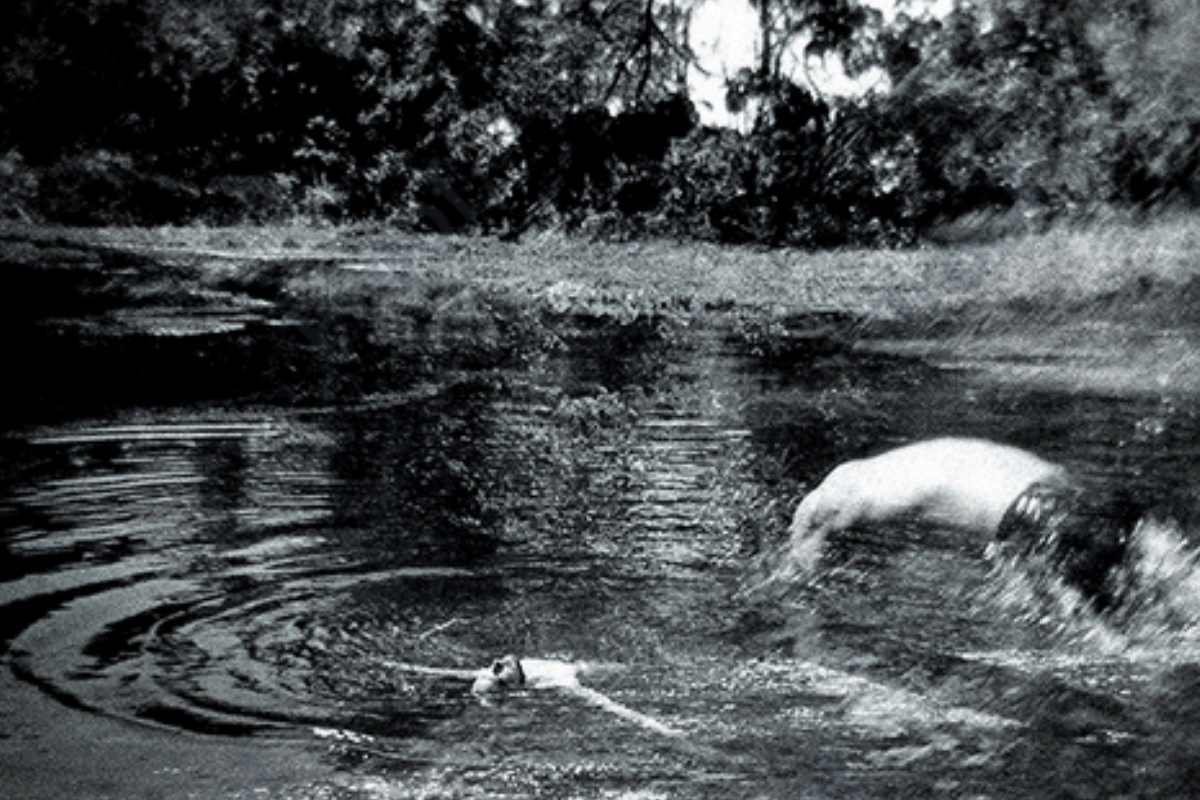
{"points": [[246, 587]]}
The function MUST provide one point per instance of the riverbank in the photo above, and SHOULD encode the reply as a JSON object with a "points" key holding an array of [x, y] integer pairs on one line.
{"points": [[1106, 310], [1061, 269]]}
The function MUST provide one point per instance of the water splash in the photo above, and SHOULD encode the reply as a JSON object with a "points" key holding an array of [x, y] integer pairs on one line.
{"points": [[1163, 598], [1053, 628]]}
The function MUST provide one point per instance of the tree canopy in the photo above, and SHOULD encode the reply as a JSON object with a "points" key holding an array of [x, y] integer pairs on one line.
{"points": [[501, 115]]}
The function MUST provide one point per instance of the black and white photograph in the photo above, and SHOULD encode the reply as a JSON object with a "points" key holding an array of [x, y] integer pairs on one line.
{"points": [[600, 399]]}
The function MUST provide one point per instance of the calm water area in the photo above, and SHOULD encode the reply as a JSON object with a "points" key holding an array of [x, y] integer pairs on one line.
{"points": [[246, 546]]}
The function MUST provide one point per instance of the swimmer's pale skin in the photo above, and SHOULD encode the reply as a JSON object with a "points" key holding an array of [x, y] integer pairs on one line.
{"points": [[510, 673], [533, 673], [962, 484]]}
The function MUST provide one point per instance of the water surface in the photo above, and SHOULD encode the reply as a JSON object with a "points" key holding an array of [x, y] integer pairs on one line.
{"points": [[247, 586]]}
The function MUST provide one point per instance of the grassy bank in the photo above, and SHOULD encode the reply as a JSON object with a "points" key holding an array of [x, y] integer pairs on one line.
{"points": [[1059, 271], [1110, 308]]}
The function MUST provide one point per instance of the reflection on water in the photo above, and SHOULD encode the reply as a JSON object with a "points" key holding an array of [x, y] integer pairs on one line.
{"points": [[259, 575]]}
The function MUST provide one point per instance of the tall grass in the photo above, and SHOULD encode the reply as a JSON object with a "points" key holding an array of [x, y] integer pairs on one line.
{"points": [[1063, 268], [1112, 307]]}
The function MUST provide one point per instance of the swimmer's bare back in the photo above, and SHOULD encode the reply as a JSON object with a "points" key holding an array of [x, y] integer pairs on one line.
{"points": [[955, 483]]}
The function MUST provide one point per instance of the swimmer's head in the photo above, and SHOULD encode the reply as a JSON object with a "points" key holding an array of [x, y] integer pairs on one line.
{"points": [[503, 674], [1086, 543], [1094, 547]]}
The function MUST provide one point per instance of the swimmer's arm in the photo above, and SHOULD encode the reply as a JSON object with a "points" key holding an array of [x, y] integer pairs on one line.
{"points": [[440, 672], [598, 668], [606, 703]]}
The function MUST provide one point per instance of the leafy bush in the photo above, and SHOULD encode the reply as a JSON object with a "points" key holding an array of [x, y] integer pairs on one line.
{"points": [[444, 115], [18, 187], [105, 188], [711, 187], [229, 199]]}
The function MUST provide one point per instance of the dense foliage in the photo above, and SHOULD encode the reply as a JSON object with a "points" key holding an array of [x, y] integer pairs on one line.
{"points": [[499, 116]]}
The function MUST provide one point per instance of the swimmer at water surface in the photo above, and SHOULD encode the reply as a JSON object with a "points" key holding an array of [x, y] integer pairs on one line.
{"points": [[510, 673], [997, 493]]}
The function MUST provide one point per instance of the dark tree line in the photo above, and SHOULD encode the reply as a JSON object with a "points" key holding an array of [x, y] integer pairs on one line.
{"points": [[501, 115]]}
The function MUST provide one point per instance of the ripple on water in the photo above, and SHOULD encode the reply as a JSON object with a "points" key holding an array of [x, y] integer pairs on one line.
{"points": [[265, 577]]}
